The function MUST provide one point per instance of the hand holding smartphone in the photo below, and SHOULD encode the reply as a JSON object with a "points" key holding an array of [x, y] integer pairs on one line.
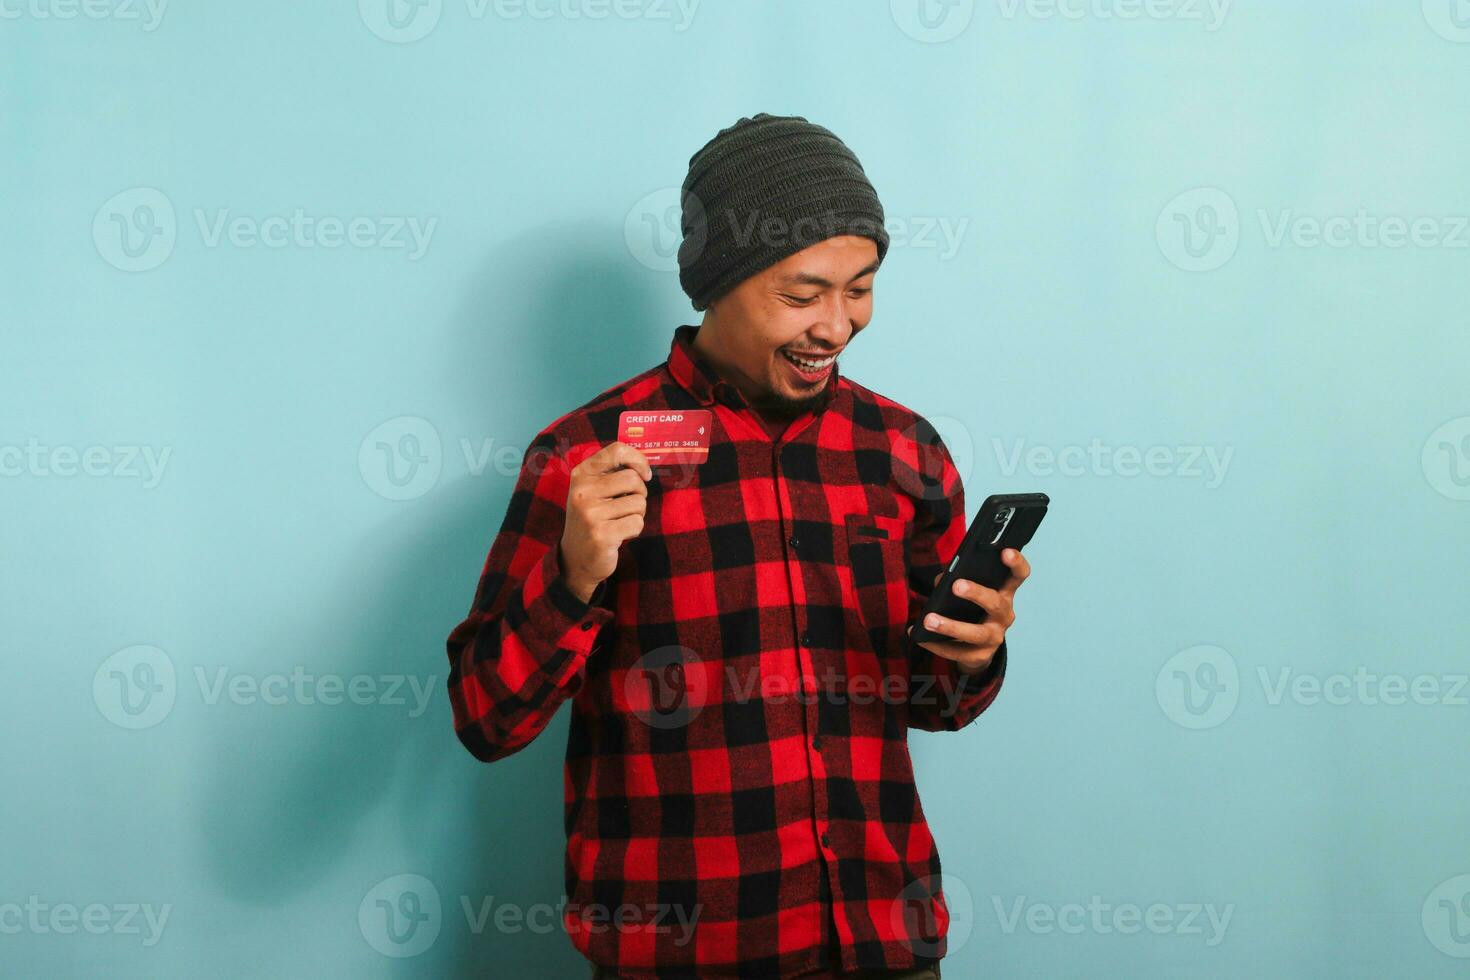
{"points": [[1006, 520]]}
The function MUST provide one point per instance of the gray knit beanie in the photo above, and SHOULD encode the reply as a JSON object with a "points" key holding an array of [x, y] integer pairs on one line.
{"points": [[763, 190]]}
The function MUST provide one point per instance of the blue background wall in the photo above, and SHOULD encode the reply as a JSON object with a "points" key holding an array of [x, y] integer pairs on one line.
{"points": [[1237, 682]]}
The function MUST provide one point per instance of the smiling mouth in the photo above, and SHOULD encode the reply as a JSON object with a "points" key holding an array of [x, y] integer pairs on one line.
{"points": [[809, 363]]}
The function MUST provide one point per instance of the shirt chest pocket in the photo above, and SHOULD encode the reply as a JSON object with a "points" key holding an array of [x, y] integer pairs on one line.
{"points": [[876, 547]]}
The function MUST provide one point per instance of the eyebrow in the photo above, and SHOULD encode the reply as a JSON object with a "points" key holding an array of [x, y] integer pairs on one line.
{"points": [[812, 279]]}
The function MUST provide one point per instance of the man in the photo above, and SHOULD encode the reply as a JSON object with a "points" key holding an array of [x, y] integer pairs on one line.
{"points": [[732, 633]]}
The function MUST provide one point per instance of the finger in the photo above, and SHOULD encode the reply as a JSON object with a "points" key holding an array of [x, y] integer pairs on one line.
{"points": [[616, 508], [587, 492], [960, 651], [948, 651], [1019, 566], [616, 455], [965, 634], [997, 605], [627, 527], [619, 482]]}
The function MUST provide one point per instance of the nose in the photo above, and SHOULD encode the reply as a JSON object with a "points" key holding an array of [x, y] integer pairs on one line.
{"points": [[834, 329]]}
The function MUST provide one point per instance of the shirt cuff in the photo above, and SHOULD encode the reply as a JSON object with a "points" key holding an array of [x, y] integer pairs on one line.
{"points": [[560, 617], [975, 683], [568, 602]]}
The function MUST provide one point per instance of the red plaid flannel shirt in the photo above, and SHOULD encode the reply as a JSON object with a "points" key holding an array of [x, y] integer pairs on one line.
{"points": [[739, 794]]}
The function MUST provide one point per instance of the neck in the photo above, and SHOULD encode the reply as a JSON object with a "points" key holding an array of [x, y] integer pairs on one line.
{"points": [[775, 413], [707, 344]]}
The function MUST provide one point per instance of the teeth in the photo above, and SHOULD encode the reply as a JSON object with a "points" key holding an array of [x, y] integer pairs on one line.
{"points": [[808, 364]]}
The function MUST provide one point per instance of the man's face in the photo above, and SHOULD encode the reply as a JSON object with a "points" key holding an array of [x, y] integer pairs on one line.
{"points": [[808, 306]]}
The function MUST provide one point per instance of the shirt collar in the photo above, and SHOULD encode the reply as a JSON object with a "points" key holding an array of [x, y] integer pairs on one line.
{"points": [[697, 376]]}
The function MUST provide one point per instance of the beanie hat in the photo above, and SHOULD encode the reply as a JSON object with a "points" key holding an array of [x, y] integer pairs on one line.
{"points": [[763, 190]]}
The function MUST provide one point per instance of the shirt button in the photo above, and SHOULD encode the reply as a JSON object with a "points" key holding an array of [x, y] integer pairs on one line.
{"points": [[587, 625], [794, 541], [806, 638], [817, 743], [826, 840]]}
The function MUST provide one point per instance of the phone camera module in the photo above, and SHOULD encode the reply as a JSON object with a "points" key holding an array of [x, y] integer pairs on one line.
{"points": [[1002, 521]]}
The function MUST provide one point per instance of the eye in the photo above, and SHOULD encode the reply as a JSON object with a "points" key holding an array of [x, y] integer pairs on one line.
{"points": [[865, 290], [799, 300]]}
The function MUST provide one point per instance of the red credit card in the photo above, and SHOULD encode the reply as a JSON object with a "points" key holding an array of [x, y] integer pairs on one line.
{"points": [[668, 437]]}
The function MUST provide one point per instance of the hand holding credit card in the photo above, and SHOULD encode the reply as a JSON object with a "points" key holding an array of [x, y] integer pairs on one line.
{"points": [[607, 501]]}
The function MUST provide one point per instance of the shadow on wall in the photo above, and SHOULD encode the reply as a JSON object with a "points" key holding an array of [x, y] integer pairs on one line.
{"points": [[290, 794]]}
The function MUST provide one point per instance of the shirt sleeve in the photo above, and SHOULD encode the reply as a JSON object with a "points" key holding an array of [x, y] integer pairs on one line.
{"points": [[520, 652], [941, 697]]}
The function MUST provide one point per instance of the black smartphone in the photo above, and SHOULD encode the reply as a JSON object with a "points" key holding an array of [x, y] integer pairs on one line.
{"points": [[1005, 520]]}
